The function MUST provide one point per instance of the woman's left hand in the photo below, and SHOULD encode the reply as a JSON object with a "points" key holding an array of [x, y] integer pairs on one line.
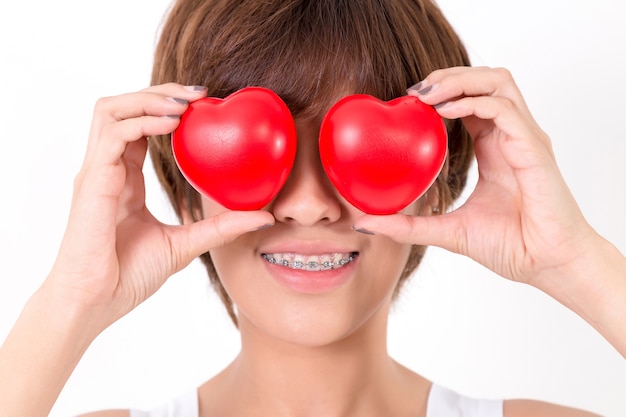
{"points": [[521, 221]]}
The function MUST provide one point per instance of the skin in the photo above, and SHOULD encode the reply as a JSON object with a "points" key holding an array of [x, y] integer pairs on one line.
{"points": [[521, 221], [309, 210], [524, 225], [312, 336]]}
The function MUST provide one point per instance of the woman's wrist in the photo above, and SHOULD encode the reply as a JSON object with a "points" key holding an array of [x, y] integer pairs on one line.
{"points": [[68, 313], [41, 352], [594, 287]]}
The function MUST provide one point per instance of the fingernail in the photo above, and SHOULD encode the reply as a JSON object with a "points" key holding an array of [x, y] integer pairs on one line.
{"points": [[362, 230], [416, 87], [422, 89], [427, 90], [265, 226], [178, 100], [194, 88]]}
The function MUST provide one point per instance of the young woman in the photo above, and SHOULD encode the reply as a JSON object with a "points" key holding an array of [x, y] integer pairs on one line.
{"points": [[313, 342]]}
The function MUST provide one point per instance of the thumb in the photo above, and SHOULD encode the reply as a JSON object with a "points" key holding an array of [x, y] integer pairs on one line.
{"points": [[445, 231], [192, 240]]}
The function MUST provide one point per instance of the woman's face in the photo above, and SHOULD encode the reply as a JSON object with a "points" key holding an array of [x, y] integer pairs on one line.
{"points": [[309, 279]]}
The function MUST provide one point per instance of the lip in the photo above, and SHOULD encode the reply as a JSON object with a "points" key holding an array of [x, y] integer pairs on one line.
{"points": [[307, 248], [309, 282]]}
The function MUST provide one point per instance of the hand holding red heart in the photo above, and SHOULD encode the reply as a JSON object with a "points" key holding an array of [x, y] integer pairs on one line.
{"points": [[114, 253], [521, 221]]}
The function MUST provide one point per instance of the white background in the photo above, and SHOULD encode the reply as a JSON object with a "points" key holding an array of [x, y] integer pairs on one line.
{"points": [[456, 323]]}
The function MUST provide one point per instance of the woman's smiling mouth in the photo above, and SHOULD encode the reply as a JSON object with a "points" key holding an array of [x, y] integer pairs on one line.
{"points": [[313, 263]]}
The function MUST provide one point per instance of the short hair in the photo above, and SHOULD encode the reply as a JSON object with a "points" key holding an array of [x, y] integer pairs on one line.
{"points": [[307, 52]]}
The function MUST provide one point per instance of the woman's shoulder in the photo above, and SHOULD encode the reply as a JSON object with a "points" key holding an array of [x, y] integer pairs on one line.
{"points": [[527, 408], [446, 402]]}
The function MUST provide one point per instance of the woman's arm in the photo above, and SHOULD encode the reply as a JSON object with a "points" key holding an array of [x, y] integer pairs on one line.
{"points": [[521, 221], [528, 408], [595, 289], [114, 253], [40, 353]]}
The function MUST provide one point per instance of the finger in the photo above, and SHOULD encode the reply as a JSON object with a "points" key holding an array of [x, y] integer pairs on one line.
{"points": [[103, 171], [127, 106], [192, 240], [158, 100], [188, 92], [133, 195], [442, 231], [115, 137], [525, 145], [110, 110], [502, 111], [125, 119], [161, 100], [135, 153], [452, 83]]}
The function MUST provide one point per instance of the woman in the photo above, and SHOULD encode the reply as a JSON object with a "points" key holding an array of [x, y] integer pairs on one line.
{"points": [[306, 350]]}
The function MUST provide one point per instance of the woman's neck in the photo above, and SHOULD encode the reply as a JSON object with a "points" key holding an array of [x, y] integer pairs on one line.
{"points": [[348, 377]]}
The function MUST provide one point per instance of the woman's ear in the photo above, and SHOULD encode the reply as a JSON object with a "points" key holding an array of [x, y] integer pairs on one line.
{"points": [[426, 205], [431, 203], [438, 197]]}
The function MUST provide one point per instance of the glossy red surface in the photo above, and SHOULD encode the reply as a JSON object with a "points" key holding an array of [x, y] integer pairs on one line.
{"points": [[238, 150], [382, 156]]}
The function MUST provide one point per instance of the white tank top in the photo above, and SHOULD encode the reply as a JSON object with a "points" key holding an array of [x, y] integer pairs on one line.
{"points": [[441, 403]]}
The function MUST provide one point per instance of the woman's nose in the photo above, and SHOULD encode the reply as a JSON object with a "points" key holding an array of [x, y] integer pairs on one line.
{"points": [[307, 197]]}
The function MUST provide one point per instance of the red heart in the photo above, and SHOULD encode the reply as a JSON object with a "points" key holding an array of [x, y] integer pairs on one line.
{"points": [[239, 150], [382, 156]]}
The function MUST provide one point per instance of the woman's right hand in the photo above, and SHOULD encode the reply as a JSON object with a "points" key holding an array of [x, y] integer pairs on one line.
{"points": [[115, 254]]}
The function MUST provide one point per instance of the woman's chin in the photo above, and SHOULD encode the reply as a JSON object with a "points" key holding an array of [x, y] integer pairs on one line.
{"points": [[329, 321]]}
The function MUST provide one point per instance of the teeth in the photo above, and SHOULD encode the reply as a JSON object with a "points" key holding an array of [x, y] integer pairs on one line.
{"points": [[310, 263]]}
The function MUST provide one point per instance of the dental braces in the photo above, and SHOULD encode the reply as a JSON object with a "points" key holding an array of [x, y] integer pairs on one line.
{"points": [[310, 265]]}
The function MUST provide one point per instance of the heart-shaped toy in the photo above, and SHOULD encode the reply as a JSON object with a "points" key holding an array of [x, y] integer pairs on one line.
{"points": [[239, 150], [382, 156]]}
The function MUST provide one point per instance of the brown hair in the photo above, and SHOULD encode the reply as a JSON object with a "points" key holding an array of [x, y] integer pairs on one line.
{"points": [[307, 52]]}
